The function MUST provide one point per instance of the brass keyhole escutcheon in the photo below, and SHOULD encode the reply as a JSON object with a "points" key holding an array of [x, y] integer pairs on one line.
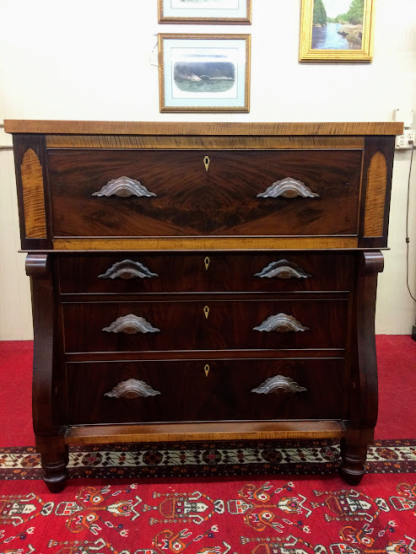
{"points": [[206, 369], [206, 311], [207, 161], [207, 261]]}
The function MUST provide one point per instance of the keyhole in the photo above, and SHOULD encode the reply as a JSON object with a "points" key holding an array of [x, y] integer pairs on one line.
{"points": [[207, 261], [207, 161], [206, 311], [206, 369]]}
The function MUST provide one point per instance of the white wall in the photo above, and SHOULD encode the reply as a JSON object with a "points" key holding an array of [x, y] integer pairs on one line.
{"points": [[90, 59]]}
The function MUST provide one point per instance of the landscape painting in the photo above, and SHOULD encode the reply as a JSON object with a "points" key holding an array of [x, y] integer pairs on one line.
{"points": [[337, 30], [337, 24], [205, 11], [199, 73], [204, 72]]}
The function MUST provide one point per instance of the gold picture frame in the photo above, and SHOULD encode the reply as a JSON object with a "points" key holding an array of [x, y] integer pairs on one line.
{"points": [[232, 12], [204, 73], [320, 30]]}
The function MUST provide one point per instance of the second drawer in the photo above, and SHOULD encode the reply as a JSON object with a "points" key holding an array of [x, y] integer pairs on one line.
{"points": [[204, 325]]}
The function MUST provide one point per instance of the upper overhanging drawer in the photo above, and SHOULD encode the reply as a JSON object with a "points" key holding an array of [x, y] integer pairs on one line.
{"points": [[168, 193]]}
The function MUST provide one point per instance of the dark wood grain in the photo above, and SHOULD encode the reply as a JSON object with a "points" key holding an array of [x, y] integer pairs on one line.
{"points": [[353, 462], [364, 367], [354, 454], [184, 326], [221, 296], [224, 395], [363, 381], [46, 374], [204, 355], [191, 201], [39, 269], [187, 273]]}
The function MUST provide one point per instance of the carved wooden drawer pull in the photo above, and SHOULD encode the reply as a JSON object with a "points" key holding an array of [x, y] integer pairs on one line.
{"points": [[124, 187], [130, 325], [283, 270], [279, 382], [127, 269], [288, 188], [281, 323], [132, 388]]}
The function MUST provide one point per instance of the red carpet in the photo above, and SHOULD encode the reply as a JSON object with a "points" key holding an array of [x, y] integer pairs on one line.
{"points": [[16, 393], [304, 516], [397, 383], [396, 356]]}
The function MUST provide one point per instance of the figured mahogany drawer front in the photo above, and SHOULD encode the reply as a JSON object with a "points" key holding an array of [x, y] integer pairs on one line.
{"points": [[118, 392], [211, 272], [199, 325], [174, 193]]}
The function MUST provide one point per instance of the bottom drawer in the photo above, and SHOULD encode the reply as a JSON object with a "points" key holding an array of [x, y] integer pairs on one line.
{"points": [[218, 390]]}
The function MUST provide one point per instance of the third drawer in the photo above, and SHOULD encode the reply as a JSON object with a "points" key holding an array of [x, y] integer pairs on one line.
{"points": [[117, 392], [204, 325]]}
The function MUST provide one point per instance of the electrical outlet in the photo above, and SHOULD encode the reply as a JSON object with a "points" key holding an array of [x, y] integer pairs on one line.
{"points": [[406, 141]]}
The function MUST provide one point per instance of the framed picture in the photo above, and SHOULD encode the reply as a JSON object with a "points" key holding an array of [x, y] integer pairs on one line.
{"points": [[205, 11], [204, 73], [337, 30]]}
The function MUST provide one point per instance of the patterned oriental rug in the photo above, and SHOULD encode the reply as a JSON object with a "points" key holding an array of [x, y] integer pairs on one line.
{"points": [[181, 460], [253, 516]]}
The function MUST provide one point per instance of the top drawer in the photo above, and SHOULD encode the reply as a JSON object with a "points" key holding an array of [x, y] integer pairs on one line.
{"points": [[204, 193], [138, 272]]}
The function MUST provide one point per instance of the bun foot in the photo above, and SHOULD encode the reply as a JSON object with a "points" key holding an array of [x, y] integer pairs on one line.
{"points": [[353, 465], [55, 472]]}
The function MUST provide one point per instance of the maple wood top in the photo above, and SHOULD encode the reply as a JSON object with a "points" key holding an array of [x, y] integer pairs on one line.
{"points": [[161, 128]]}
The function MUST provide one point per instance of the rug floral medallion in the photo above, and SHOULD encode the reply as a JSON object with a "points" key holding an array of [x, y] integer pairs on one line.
{"points": [[211, 498]]}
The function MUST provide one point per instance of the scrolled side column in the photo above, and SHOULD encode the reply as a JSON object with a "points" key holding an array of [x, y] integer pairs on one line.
{"points": [[49, 438], [364, 379]]}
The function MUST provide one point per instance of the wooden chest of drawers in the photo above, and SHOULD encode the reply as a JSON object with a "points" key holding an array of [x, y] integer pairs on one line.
{"points": [[203, 281]]}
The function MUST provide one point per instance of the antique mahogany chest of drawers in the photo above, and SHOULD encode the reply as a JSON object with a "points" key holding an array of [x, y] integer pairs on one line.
{"points": [[203, 281]]}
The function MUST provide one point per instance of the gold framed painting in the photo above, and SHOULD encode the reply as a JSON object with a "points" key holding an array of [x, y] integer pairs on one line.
{"points": [[204, 73], [228, 12], [337, 30]]}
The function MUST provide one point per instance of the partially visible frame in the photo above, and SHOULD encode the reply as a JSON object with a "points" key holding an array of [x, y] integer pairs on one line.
{"points": [[227, 12], [204, 73], [329, 37]]}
